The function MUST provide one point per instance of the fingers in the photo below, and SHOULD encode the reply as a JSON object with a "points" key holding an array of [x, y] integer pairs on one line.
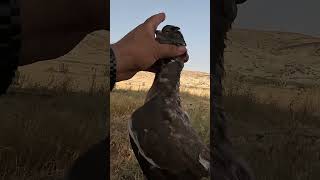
{"points": [[155, 20], [167, 50]]}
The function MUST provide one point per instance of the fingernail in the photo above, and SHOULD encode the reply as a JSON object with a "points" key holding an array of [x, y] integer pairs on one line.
{"points": [[182, 49], [162, 13]]}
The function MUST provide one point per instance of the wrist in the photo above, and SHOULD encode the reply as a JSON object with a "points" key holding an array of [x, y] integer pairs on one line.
{"points": [[113, 71], [124, 66]]}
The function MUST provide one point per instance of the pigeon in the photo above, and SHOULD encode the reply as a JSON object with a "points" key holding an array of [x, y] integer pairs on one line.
{"points": [[160, 132]]}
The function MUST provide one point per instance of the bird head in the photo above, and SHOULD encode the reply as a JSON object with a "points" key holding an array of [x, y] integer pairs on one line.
{"points": [[170, 35]]}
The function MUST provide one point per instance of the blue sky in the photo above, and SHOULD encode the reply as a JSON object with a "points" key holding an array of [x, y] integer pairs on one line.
{"points": [[193, 17]]}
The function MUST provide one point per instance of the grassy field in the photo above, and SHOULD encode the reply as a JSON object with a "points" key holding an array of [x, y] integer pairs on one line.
{"points": [[43, 129], [123, 103], [280, 137], [54, 111], [272, 98], [280, 142]]}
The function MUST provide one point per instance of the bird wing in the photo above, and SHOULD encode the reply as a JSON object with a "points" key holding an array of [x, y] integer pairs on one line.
{"points": [[166, 143], [150, 132]]}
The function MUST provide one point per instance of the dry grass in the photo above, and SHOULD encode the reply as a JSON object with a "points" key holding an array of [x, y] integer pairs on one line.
{"points": [[280, 141], [279, 137], [194, 83], [43, 129]]}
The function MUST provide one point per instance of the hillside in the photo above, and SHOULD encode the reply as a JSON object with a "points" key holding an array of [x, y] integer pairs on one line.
{"points": [[253, 55], [272, 56], [87, 61]]}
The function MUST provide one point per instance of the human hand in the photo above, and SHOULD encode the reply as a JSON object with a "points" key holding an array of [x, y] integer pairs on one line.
{"points": [[138, 50]]}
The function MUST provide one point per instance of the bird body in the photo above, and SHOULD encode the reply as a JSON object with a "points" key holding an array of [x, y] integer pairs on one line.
{"points": [[161, 135]]}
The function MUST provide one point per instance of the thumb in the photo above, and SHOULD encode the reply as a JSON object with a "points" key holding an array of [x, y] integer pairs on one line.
{"points": [[168, 50], [155, 20]]}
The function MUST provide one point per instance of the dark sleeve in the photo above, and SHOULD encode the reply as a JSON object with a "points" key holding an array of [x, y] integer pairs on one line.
{"points": [[113, 69], [10, 42]]}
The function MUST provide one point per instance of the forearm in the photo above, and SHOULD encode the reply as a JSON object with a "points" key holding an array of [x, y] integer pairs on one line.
{"points": [[52, 28], [117, 70]]}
